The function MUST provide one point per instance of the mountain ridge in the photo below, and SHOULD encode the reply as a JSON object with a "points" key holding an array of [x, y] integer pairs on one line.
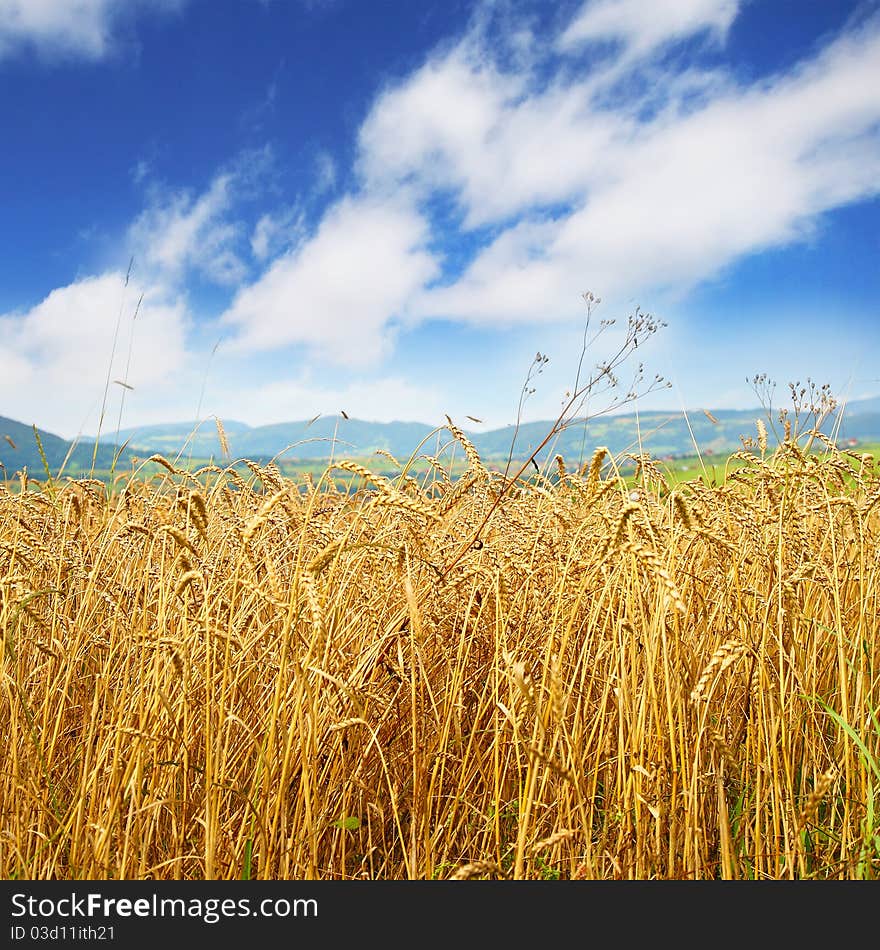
{"points": [[19, 449], [660, 433]]}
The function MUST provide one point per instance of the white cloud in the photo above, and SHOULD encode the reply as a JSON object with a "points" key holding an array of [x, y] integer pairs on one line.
{"points": [[567, 179], [632, 175], [141, 170], [514, 280], [662, 202], [439, 129], [54, 358], [375, 399], [275, 233], [261, 239], [503, 144], [179, 232], [643, 29], [82, 28], [337, 291], [325, 173], [15, 370]]}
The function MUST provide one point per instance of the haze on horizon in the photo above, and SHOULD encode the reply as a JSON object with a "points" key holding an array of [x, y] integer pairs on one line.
{"points": [[389, 211]]}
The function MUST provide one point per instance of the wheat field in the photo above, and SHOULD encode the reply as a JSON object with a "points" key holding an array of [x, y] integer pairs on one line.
{"points": [[573, 676]]}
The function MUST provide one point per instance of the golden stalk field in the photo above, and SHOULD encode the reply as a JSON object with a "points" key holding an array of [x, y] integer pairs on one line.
{"points": [[361, 677]]}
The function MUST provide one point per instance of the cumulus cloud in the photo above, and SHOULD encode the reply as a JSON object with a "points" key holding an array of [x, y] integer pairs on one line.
{"points": [[505, 141], [337, 292], [571, 194], [502, 152], [434, 127], [493, 189], [554, 176], [54, 358], [71, 28]]}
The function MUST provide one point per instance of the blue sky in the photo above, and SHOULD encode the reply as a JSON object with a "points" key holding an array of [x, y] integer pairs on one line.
{"points": [[388, 207]]}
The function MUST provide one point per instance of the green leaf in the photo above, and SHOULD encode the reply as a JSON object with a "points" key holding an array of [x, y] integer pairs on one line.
{"points": [[870, 761], [247, 868], [351, 823]]}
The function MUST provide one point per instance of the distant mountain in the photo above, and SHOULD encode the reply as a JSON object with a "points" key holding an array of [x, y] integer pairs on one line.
{"points": [[862, 407], [325, 436], [659, 433], [19, 449]]}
